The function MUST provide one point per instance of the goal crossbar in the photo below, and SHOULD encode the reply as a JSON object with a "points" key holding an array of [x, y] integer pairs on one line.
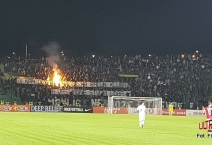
{"points": [[135, 98]]}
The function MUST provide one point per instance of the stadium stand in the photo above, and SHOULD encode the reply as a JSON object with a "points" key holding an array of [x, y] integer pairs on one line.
{"points": [[179, 78]]}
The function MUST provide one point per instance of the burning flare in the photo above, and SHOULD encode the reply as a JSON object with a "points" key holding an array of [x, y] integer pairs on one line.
{"points": [[56, 78]]}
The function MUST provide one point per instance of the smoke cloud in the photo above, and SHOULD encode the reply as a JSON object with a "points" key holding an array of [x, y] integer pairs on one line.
{"points": [[52, 50]]}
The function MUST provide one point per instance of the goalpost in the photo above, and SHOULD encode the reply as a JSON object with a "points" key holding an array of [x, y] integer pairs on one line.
{"points": [[128, 105]]}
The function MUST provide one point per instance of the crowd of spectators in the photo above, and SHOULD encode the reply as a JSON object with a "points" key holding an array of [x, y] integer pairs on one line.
{"points": [[173, 77]]}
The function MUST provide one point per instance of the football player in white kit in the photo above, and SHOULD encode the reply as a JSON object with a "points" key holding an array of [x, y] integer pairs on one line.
{"points": [[142, 114]]}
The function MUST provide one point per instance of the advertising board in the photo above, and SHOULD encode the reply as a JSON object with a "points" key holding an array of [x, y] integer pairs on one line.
{"points": [[194, 113], [14, 108], [78, 109], [115, 110], [177, 112], [46, 108]]}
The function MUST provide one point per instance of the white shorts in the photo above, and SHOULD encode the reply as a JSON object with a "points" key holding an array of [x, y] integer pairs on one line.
{"points": [[142, 117]]}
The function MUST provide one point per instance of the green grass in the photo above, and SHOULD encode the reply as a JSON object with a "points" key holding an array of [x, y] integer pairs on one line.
{"points": [[98, 129]]}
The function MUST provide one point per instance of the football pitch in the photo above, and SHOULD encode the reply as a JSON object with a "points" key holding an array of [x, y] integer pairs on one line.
{"points": [[98, 129]]}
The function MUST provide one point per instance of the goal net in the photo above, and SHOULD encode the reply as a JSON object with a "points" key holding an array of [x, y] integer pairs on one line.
{"points": [[128, 105]]}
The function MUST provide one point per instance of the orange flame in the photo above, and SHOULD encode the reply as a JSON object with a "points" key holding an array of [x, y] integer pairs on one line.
{"points": [[56, 78]]}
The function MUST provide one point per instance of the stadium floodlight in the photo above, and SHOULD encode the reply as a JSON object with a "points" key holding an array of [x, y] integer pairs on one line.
{"points": [[128, 105]]}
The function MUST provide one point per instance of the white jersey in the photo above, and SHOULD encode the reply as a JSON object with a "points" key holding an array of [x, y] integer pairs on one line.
{"points": [[142, 112]]}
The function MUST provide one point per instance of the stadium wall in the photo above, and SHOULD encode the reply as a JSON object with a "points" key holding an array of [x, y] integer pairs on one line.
{"points": [[150, 111], [100, 110]]}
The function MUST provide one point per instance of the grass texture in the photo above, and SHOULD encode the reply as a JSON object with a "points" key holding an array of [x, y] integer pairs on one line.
{"points": [[98, 129]]}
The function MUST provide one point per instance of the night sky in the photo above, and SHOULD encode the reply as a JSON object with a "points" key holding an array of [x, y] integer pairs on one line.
{"points": [[106, 27]]}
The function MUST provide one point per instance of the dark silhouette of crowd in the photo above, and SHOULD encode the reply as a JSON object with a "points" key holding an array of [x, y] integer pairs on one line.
{"points": [[180, 78]]}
